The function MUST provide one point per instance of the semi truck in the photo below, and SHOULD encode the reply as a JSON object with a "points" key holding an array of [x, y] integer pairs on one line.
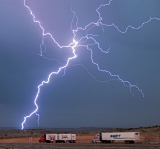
{"points": [[109, 137], [58, 138]]}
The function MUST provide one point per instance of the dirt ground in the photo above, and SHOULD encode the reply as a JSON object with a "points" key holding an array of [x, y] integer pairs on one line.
{"points": [[146, 138], [147, 135], [82, 139]]}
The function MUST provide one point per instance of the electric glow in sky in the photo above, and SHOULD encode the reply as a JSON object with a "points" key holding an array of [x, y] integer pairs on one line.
{"points": [[81, 42]]}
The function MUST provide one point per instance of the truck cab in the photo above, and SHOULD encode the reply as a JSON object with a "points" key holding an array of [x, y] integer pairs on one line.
{"points": [[42, 139], [96, 138]]}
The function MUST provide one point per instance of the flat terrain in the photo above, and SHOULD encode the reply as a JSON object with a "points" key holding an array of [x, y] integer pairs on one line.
{"points": [[20, 139], [77, 146], [80, 139]]}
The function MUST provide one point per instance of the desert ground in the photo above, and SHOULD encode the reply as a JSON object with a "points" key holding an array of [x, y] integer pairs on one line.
{"points": [[149, 135]]}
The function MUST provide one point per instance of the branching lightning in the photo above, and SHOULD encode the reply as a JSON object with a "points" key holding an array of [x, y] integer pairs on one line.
{"points": [[82, 42]]}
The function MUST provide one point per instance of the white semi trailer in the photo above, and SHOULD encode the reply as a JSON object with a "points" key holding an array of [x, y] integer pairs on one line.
{"points": [[109, 137], [58, 138]]}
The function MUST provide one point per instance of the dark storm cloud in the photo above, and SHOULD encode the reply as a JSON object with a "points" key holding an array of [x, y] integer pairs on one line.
{"points": [[77, 99]]}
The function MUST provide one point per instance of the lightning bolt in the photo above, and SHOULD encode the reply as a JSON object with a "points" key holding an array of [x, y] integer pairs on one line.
{"points": [[82, 42]]}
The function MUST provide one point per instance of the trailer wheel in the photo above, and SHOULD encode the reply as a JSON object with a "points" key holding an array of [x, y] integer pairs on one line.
{"points": [[126, 142]]}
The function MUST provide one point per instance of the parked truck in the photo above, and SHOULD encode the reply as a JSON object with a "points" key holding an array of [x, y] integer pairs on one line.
{"points": [[109, 137], [58, 138]]}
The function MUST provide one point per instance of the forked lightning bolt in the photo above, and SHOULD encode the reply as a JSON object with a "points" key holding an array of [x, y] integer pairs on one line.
{"points": [[82, 42]]}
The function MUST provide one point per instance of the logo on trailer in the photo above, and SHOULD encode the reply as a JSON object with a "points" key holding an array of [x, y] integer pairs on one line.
{"points": [[65, 137], [52, 138], [115, 136]]}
